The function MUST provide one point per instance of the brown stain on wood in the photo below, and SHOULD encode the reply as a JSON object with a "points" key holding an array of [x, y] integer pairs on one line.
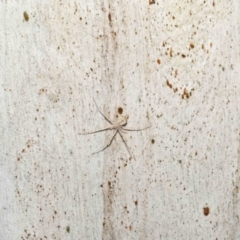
{"points": [[186, 93], [26, 17], [151, 2], [120, 110], [109, 17], [169, 84], [206, 211], [68, 229]]}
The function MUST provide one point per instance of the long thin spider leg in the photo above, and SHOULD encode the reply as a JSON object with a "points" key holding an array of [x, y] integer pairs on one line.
{"points": [[136, 130], [100, 130], [109, 144], [102, 113], [125, 144]]}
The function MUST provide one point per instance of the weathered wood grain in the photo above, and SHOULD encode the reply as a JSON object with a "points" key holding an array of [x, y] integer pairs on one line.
{"points": [[172, 64]]}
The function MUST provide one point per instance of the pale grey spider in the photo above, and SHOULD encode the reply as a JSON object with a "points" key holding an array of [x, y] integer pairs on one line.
{"points": [[118, 126]]}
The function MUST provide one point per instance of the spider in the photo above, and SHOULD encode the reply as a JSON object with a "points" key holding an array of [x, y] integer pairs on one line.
{"points": [[118, 126]]}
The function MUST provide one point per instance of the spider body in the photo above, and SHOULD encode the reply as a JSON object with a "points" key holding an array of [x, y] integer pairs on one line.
{"points": [[119, 127], [122, 122]]}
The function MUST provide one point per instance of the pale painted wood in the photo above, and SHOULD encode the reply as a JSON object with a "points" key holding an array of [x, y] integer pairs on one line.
{"points": [[172, 64]]}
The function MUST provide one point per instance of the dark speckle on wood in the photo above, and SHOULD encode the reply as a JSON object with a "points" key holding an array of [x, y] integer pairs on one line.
{"points": [[206, 211], [26, 17], [109, 17]]}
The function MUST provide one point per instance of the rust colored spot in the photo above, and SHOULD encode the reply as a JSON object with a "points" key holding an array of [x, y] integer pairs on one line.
{"points": [[196, 153], [23, 150], [185, 93], [191, 45], [206, 211], [120, 110], [130, 228], [151, 2], [213, 4], [136, 202], [169, 84], [25, 15], [202, 46], [153, 141], [109, 184], [158, 61], [171, 52], [183, 55], [109, 17]]}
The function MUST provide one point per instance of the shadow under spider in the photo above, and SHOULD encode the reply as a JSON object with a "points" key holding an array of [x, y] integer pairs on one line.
{"points": [[119, 128]]}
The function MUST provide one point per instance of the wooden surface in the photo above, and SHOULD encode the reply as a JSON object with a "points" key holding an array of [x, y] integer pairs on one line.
{"points": [[172, 64]]}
